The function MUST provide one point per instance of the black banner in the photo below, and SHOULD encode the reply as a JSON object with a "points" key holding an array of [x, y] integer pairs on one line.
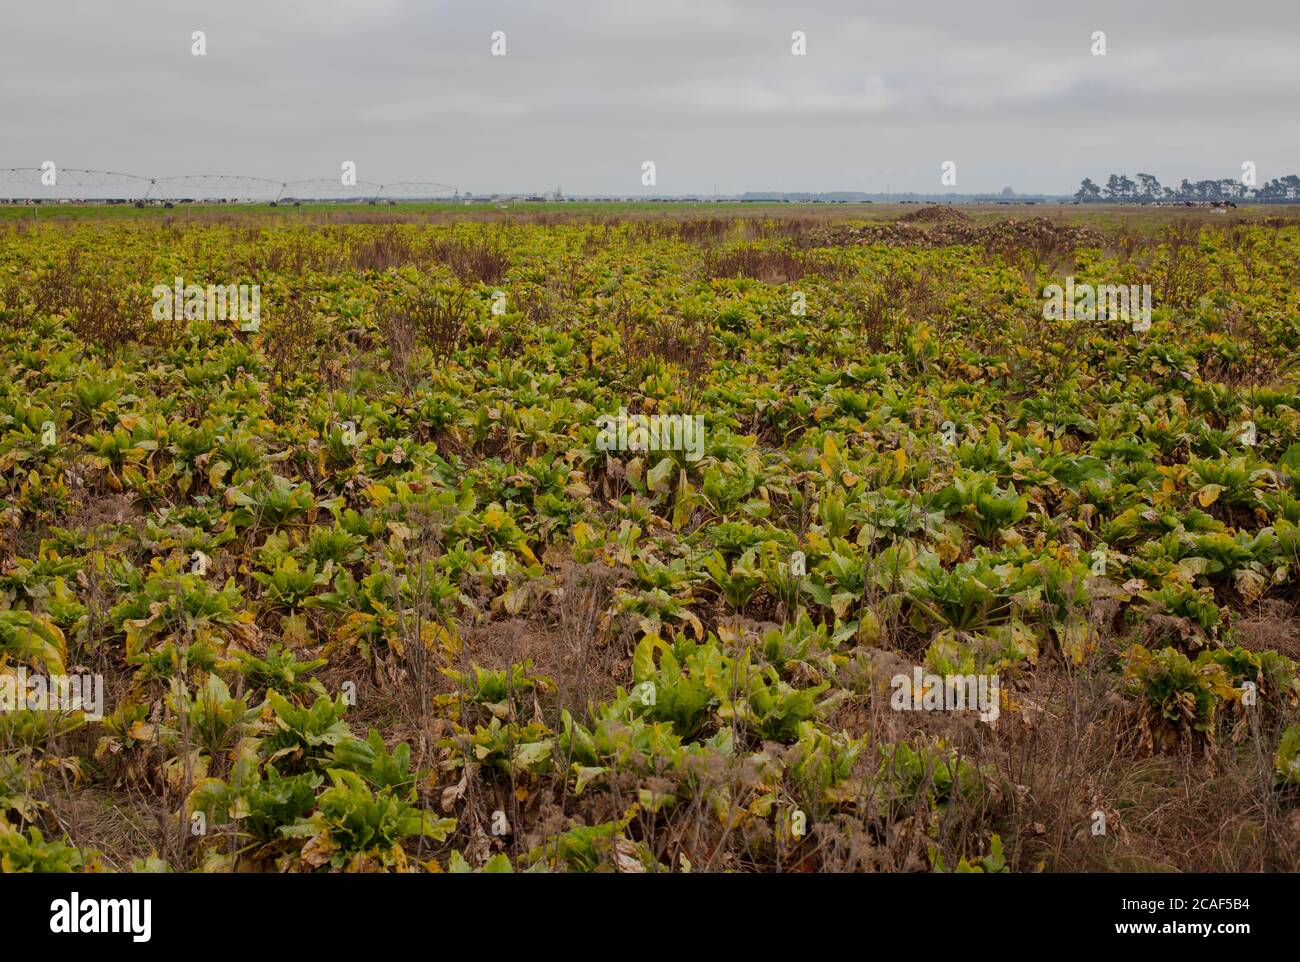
{"points": [[144, 912]]}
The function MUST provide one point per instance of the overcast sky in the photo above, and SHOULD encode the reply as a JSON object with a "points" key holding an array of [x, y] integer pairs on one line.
{"points": [[707, 89]]}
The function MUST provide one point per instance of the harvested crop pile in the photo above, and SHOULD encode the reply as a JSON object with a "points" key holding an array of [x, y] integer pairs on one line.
{"points": [[936, 214], [1007, 234]]}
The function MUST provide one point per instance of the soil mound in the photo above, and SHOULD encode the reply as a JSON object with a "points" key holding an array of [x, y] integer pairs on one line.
{"points": [[1035, 232], [936, 214]]}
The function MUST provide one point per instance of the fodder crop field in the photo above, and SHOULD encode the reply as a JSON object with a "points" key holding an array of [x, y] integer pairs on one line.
{"points": [[395, 578]]}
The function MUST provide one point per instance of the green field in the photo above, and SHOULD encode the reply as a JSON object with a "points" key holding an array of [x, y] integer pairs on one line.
{"points": [[371, 585]]}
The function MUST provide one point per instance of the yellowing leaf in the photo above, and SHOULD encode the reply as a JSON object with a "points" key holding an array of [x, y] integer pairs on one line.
{"points": [[1209, 494], [1249, 584]]}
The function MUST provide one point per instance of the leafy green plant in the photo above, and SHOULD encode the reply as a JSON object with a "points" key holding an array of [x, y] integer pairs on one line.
{"points": [[1179, 698], [992, 863], [1286, 763], [357, 829], [304, 736], [33, 853], [211, 719]]}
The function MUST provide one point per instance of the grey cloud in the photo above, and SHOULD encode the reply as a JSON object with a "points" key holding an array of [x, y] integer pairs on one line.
{"points": [[707, 88]]}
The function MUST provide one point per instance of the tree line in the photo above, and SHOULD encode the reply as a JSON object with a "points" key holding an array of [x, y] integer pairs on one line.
{"points": [[1147, 189]]}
